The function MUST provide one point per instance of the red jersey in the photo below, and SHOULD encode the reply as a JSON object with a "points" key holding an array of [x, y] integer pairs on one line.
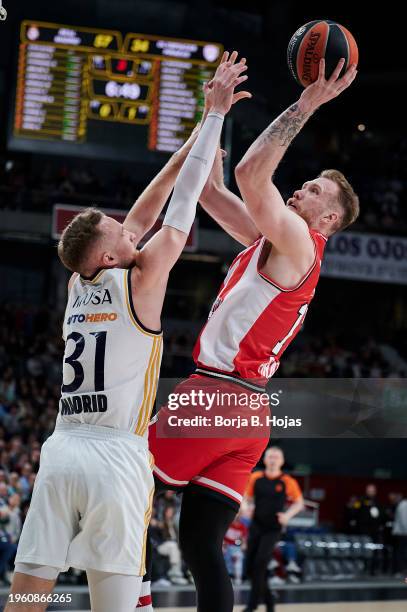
{"points": [[254, 319]]}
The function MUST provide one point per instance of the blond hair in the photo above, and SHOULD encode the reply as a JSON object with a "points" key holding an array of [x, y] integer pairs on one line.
{"points": [[78, 237], [348, 200]]}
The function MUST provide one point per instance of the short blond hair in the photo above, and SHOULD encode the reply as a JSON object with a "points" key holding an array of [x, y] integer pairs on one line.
{"points": [[348, 200], [78, 237]]}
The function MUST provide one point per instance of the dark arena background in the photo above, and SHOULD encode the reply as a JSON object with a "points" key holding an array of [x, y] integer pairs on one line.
{"points": [[100, 145]]}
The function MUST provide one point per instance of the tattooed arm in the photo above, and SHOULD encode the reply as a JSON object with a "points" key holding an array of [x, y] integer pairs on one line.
{"points": [[285, 229], [264, 155]]}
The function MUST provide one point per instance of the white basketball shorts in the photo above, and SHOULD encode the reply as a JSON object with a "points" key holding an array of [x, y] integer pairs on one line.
{"points": [[91, 503]]}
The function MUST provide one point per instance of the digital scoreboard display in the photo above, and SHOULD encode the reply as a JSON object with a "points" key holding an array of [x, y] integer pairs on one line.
{"points": [[100, 93]]}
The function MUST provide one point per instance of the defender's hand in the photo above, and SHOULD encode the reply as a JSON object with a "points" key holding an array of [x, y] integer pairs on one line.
{"points": [[208, 87], [227, 77], [323, 90]]}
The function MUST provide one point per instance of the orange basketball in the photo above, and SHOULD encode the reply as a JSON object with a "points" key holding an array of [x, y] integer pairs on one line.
{"points": [[317, 39]]}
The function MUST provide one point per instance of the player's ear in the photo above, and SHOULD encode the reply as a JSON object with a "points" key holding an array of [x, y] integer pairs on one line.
{"points": [[107, 260], [330, 218]]}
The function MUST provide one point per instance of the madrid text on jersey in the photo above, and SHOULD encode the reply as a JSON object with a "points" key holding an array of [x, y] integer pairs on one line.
{"points": [[76, 404]]}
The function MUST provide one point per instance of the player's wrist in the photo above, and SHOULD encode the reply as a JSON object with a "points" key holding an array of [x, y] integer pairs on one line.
{"points": [[306, 106], [217, 110]]}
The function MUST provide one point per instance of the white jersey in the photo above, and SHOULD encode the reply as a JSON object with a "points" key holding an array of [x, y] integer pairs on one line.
{"points": [[111, 361]]}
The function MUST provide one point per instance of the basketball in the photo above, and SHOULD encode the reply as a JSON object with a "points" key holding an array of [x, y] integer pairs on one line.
{"points": [[317, 39]]}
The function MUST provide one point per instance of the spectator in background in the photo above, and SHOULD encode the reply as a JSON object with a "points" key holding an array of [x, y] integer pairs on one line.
{"points": [[7, 547], [169, 547], [14, 485], [13, 527], [351, 514], [26, 482], [270, 491], [164, 537], [400, 536], [370, 517], [389, 512], [234, 545]]}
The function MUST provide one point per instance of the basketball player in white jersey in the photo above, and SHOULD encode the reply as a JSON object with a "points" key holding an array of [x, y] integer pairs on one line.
{"points": [[92, 498], [259, 310]]}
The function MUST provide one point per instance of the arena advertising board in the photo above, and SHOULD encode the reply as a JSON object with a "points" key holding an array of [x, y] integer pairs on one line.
{"points": [[369, 257]]}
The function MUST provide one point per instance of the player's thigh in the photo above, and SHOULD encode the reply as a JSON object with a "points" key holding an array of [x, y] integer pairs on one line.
{"points": [[110, 592], [228, 474], [116, 511], [52, 519], [177, 460]]}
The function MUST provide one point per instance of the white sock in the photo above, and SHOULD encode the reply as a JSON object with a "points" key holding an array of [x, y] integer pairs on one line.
{"points": [[113, 591], [145, 603]]}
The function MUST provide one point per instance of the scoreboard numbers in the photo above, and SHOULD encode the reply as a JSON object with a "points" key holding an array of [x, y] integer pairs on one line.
{"points": [[70, 79]]}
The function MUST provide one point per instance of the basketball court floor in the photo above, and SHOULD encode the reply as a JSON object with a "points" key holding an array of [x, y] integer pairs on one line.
{"points": [[374, 595], [371, 606]]}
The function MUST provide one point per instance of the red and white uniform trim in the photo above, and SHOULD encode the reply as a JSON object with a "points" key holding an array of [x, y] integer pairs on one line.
{"points": [[253, 319], [217, 486]]}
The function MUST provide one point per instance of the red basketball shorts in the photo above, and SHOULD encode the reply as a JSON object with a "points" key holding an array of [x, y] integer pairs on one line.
{"points": [[211, 433]]}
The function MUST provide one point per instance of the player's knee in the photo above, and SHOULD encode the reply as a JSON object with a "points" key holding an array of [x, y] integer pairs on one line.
{"points": [[32, 579], [34, 571], [198, 549]]}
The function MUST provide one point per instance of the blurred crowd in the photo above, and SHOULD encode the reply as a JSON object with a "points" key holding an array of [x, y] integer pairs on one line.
{"points": [[383, 194], [24, 188], [327, 357]]}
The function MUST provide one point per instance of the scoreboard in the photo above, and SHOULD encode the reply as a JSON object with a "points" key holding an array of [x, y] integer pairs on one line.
{"points": [[93, 92]]}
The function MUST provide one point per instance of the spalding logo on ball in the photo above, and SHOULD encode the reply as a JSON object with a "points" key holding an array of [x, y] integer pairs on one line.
{"points": [[317, 39]]}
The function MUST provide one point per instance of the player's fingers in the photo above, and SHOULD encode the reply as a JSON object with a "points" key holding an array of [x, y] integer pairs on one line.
{"points": [[348, 77], [225, 57], [350, 73], [240, 95], [233, 57], [321, 69], [238, 69], [345, 83], [337, 70], [239, 80], [223, 153], [232, 74]]}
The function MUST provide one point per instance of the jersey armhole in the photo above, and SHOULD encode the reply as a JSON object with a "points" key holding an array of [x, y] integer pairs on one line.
{"points": [[130, 307], [271, 281]]}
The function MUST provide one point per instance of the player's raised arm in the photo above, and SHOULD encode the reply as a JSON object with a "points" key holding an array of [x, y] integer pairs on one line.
{"points": [[217, 200], [162, 251], [148, 206], [254, 173], [226, 208]]}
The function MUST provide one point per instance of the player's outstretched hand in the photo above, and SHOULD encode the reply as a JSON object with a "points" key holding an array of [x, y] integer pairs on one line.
{"points": [[323, 90], [208, 87], [221, 90]]}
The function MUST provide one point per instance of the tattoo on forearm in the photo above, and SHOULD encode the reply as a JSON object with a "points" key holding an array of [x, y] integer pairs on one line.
{"points": [[284, 129]]}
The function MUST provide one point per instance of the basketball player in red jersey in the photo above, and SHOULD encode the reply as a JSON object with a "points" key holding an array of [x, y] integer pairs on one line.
{"points": [[259, 310]]}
